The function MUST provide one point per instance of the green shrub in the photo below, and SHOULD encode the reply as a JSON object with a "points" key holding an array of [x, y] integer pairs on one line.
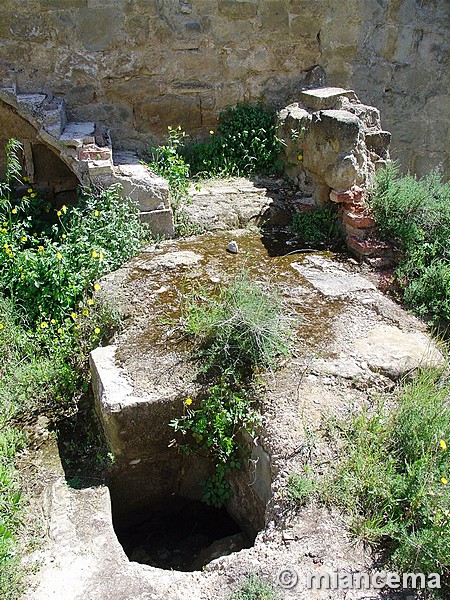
{"points": [[49, 276], [415, 215], [241, 327], [244, 144], [393, 476], [254, 588], [318, 227]]}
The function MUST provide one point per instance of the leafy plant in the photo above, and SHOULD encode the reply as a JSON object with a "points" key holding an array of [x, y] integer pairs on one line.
{"points": [[415, 215], [215, 426], [167, 161], [394, 472], [244, 144], [238, 330], [318, 227], [48, 276]]}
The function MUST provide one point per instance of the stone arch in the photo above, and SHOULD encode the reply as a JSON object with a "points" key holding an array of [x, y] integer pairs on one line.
{"points": [[43, 162]]}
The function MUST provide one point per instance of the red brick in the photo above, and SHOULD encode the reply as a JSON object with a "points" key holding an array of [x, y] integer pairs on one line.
{"points": [[358, 220], [354, 194], [369, 247]]}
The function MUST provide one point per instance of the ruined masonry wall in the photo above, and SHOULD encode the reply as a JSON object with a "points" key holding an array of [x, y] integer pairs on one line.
{"points": [[140, 65]]}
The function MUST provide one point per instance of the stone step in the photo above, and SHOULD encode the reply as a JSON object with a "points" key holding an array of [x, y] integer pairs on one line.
{"points": [[149, 190], [31, 102], [53, 116], [77, 135], [325, 98], [160, 222]]}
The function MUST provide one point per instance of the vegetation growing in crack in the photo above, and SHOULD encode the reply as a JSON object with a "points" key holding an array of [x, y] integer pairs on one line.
{"points": [[49, 319], [415, 215], [254, 588], [236, 332]]}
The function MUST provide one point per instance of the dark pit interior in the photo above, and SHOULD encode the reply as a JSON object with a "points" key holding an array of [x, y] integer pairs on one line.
{"points": [[181, 534]]}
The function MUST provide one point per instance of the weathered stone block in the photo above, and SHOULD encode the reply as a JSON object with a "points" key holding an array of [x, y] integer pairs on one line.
{"points": [[58, 4], [236, 9], [154, 116], [325, 98], [275, 17], [160, 222], [100, 28], [378, 140]]}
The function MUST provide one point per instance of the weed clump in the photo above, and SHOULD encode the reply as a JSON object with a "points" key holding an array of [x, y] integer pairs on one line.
{"points": [[254, 588], [242, 327]]}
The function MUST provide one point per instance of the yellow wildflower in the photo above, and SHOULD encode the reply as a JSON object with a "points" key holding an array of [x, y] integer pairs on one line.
{"points": [[1, 326], [21, 268], [444, 480], [94, 254], [26, 179], [33, 195], [85, 312], [59, 255], [443, 445], [40, 249], [96, 330], [60, 330], [64, 236], [188, 401], [59, 213], [64, 208], [5, 223], [90, 302], [29, 190], [53, 322], [14, 211], [73, 315], [96, 213], [44, 325], [100, 255], [22, 277], [211, 132], [96, 287], [23, 239]]}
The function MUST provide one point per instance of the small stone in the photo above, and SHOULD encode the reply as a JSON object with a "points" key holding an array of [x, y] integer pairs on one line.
{"points": [[232, 247]]}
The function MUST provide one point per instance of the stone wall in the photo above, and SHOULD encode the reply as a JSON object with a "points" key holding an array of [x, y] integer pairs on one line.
{"points": [[141, 65]]}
